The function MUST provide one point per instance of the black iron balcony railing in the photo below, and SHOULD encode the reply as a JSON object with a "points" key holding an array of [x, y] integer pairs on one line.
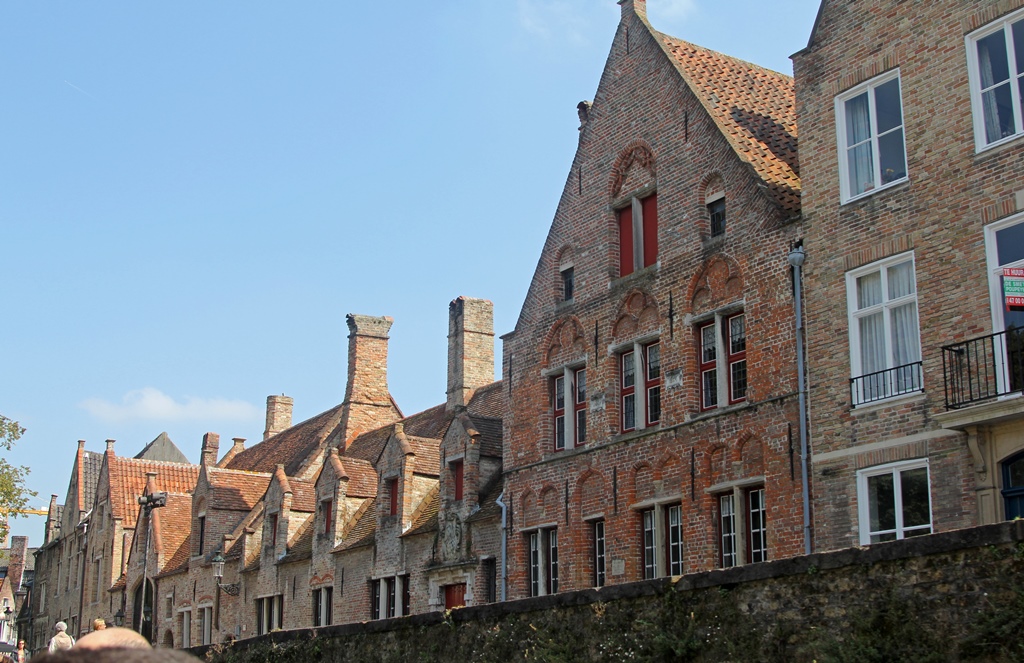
{"points": [[885, 384], [983, 368]]}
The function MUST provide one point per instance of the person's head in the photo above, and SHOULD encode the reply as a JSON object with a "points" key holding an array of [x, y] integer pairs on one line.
{"points": [[115, 655], [98, 624], [117, 637], [21, 644], [60, 627]]}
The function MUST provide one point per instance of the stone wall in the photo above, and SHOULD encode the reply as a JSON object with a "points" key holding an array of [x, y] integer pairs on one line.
{"points": [[954, 596]]}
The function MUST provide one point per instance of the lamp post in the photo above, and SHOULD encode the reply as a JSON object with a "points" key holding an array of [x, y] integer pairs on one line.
{"points": [[231, 589], [8, 621], [119, 617], [796, 259], [148, 502]]}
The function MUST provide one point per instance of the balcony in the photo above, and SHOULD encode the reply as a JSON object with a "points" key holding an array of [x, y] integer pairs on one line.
{"points": [[889, 383], [982, 369]]}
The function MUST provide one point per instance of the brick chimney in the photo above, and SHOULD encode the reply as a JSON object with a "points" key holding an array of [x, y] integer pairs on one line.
{"points": [[638, 7], [210, 449], [110, 445], [279, 415], [367, 399], [16, 565], [52, 520], [470, 348]]}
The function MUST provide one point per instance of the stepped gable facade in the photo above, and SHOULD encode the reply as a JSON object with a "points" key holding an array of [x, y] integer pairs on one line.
{"points": [[914, 199], [650, 380]]}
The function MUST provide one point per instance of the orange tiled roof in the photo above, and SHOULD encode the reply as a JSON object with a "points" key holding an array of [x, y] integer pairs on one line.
{"points": [[172, 526], [755, 109], [303, 495], [431, 423], [490, 435], [236, 490], [363, 531], [424, 520], [291, 447], [487, 401], [301, 545], [428, 455], [362, 477], [127, 478], [488, 501]]}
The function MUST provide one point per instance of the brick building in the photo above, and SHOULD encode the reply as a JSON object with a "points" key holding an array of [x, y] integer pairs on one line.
{"points": [[913, 193], [17, 570], [651, 382]]}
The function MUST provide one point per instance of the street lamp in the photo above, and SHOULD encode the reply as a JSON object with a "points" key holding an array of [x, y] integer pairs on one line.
{"points": [[8, 622], [231, 589], [796, 258], [153, 500], [119, 617]]}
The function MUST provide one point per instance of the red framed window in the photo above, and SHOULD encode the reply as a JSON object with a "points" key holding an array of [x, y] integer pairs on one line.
{"points": [[327, 506], [627, 387], [708, 355], [580, 405], [652, 382], [393, 497], [638, 234], [736, 347], [558, 405], [457, 472], [273, 529]]}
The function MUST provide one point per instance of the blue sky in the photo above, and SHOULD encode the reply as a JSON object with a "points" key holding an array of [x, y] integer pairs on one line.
{"points": [[194, 194]]}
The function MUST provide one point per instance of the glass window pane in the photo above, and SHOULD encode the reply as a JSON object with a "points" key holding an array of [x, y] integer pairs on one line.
{"points": [[654, 405], [1018, 45], [1016, 472], [560, 393], [559, 432], [862, 169], [581, 386], [903, 323], [891, 157], [1010, 244], [581, 426], [914, 491], [872, 343], [739, 380], [628, 413], [992, 61], [707, 344], [710, 380], [858, 122], [901, 279], [737, 334], [628, 371], [653, 362], [887, 106], [998, 107], [869, 290], [881, 502]]}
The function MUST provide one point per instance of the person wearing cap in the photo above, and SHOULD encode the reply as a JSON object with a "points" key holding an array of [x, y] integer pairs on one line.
{"points": [[61, 640]]}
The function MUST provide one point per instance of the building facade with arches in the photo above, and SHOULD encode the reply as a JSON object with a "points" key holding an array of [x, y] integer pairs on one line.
{"points": [[651, 410]]}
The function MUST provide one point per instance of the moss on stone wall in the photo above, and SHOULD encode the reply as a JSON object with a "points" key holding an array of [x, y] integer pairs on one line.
{"points": [[957, 596]]}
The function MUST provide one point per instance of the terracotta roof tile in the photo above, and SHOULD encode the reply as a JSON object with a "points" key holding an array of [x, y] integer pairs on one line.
{"points": [[431, 423], [291, 447], [362, 477], [92, 463], [488, 501], [490, 435], [428, 455], [303, 495], [173, 526], [364, 528], [487, 401], [424, 520], [236, 490], [127, 478], [755, 109], [301, 545]]}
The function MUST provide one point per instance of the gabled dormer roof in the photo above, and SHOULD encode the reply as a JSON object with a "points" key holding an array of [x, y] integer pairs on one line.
{"points": [[753, 107], [424, 519], [163, 449], [363, 531]]}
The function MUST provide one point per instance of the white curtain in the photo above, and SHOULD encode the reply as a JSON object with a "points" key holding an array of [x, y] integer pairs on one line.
{"points": [[859, 158], [992, 58]]}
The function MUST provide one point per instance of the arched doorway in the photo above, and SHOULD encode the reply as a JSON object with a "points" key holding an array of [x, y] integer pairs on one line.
{"points": [[168, 640], [142, 611], [1013, 486]]}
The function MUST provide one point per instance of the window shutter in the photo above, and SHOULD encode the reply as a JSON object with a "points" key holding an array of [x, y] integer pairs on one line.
{"points": [[625, 241], [650, 217]]}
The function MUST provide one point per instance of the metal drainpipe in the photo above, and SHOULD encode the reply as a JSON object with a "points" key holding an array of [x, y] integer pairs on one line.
{"points": [[504, 542], [796, 258]]}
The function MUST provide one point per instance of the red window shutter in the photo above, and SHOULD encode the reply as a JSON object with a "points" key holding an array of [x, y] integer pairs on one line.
{"points": [[650, 211], [626, 241], [393, 490], [457, 471]]}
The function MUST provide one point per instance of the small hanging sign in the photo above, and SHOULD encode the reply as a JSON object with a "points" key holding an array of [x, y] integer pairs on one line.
{"points": [[1013, 287]]}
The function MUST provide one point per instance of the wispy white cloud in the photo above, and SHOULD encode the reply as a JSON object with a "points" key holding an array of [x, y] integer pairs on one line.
{"points": [[672, 9], [150, 404], [558, 19]]}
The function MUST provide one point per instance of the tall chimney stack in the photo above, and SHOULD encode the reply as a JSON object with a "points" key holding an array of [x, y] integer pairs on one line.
{"points": [[367, 398], [210, 449], [470, 348], [279, 415]]}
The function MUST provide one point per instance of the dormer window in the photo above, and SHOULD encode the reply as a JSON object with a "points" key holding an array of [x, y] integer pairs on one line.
{"points": [[273, 530], [716, 214], [327, 508], [568, 283], [392, 497], [202, 532], [458, 468], [638, 234]]}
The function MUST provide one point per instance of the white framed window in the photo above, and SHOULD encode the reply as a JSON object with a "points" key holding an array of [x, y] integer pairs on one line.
{"points": [[995, 67], [206, 624], [894, 501], [743, 526], [869, 126], [640, 385], [323, 599], [186, 628], [885, 341], [662, 536], [600, 559], [569, 405], [1004, 245], [542, 564]]}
